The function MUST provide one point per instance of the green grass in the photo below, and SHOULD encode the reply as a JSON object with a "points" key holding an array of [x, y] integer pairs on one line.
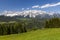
{"points": [[44, 34]]}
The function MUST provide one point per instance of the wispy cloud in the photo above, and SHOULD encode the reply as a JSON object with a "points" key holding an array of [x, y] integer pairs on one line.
{"points": [[50, 5], [36, 6], [46, 5]]}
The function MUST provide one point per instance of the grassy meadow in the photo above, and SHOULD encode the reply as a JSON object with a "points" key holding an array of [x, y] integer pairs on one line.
{"points": [[40, 34]]}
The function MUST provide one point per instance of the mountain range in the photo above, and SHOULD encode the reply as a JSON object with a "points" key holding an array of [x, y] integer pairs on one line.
{"points": [[31, 13], [13, 15]]}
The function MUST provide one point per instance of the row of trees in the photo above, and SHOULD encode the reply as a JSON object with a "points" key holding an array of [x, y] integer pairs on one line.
{"points": [[12, 28], [53, 23]]}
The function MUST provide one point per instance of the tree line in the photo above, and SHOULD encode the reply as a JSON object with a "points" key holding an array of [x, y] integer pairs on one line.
{"points": [[14, 27], [53, 23]]}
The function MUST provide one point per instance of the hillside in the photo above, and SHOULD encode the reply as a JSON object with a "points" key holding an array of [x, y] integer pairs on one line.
{"points": [[43, 34]]}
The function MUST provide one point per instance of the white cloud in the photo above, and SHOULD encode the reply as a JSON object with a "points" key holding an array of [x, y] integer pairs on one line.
{"points": [[36, 6], [46, 5], [50, 5], [22, 8], [28, 8]]}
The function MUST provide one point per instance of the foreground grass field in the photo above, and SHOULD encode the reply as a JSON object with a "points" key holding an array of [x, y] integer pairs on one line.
{"points": [[44, 34]]}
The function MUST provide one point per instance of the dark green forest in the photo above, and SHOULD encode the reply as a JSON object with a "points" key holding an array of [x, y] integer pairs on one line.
{"points": [[27, 24], [52, 23], [24, 25]]}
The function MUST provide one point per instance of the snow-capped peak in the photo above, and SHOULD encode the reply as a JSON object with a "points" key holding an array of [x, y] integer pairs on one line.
{"points": [[31, 13]]}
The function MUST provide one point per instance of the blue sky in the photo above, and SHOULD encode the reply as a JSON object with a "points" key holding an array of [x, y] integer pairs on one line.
{"points": [[18, 5]]}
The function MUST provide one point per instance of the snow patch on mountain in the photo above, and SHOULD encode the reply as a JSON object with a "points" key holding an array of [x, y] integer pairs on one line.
{"points": [[31, 13]]}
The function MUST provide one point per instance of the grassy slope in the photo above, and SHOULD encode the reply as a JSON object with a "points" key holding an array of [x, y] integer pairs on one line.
{"points": [[44, 34]]}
